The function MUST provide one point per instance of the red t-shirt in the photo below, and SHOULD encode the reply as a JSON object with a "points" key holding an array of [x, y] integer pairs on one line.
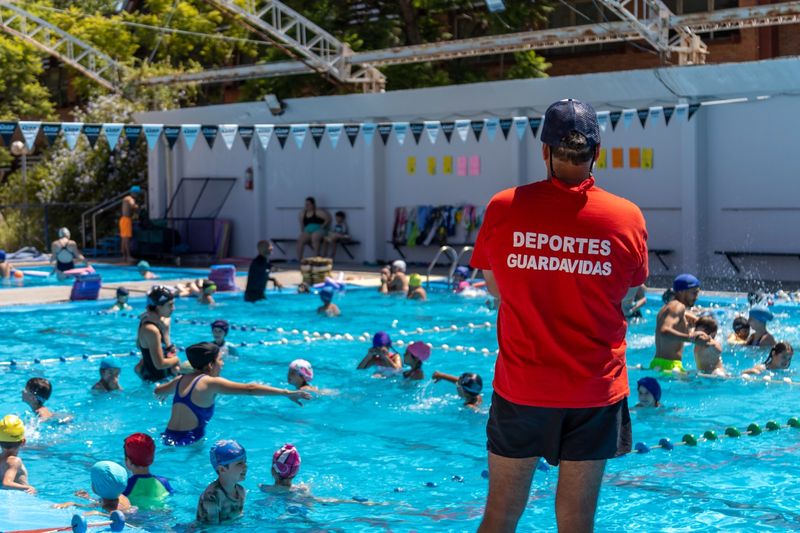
{"points": [[563, 260]]}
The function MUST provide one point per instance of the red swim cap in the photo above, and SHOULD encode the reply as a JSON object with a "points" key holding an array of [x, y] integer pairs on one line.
{"points": [[140, 449]]}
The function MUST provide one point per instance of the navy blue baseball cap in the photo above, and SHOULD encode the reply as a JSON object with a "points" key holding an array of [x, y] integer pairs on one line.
{"points": [[566, 116]]}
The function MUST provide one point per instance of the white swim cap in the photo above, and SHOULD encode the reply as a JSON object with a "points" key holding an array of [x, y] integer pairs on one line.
{"points": [[399, 265], [63, 232]]}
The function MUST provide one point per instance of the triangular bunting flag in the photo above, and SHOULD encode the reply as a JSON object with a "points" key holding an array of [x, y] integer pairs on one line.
{"points": [[680, 110], [172, 133], [477, 128], [351, 130], [693, 109], [334, 132], [228, 133], [209, 132], [132, 133], [603, 120], [643, 114], [299, 133], [505, 126], [317, 132], [246, 133], [190, 133], [520, 123], [400, 131], [462, 128], [264, 133], [368, 132], [614, 117], [51, 131], [385, 129], [447, 129], [534, 123], [432, 129], [29, 130], [112, 133], [7, 130], [152, 132], [282, 133], [92, 132], [491, 128], [655, 114], [416, 130], [71, 131], [668, 114], [627, 117]]}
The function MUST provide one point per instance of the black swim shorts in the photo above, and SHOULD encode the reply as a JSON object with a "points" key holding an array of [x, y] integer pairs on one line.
{"points": [[588, 434]]}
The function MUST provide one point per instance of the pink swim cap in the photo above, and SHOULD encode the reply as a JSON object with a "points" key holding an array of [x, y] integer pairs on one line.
{"points": [[286, 461], [462, 285], [302, 367], [419, 350]]}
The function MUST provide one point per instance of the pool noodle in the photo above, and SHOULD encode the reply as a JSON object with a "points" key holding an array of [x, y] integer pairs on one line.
{"points": [[79, 271], [34, 273]]}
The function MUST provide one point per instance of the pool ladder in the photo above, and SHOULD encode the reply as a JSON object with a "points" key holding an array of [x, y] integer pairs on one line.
{"points": [[455, 259]]}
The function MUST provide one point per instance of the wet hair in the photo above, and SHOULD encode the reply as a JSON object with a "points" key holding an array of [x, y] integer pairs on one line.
{"points": [[340, 214], [575, 148], [312, 200], [668, 296], [781, 347], [707, 324], [202, 354], [740, 323], [40, 388], [10, 445]]}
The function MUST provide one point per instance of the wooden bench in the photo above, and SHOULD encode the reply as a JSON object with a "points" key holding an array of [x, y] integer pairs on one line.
{"points": [[660, 253], [343, 244], [730, 254], [398, 245]]}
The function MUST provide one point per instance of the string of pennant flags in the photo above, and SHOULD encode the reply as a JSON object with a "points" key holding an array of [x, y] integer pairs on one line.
{"points": [[113, 132]]}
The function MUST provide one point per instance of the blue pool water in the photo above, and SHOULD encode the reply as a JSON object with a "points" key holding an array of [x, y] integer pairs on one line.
{"points": [[409, 448], [109, 273]]}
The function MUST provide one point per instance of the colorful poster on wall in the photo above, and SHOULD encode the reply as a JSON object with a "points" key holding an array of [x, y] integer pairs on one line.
{"points": [[617, 158], [461, 165], [635, 157], [447, 164], [601, 159], [647, 158], [411, 165], [432, 165], [474, 165]]}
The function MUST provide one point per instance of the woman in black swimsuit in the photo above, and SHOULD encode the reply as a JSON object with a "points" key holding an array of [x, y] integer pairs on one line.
{"points": [[159, 359], [313, 227]]}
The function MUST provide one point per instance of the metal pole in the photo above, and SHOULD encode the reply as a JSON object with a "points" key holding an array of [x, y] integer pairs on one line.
{"points": [[25, 195]]}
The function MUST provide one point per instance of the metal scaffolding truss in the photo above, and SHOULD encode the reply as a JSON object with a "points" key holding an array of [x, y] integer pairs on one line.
{"points": [[69, 49], [681, 37]]}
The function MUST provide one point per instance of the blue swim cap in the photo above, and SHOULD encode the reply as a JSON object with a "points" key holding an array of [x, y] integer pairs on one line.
{"points": [[143, 265], [381, 339], [470, 382], [462, 271], [326, 293], [762, 313], [684, 282], [109, 362], [652, 386], [225, 452], [108, 479], [2, 256]]}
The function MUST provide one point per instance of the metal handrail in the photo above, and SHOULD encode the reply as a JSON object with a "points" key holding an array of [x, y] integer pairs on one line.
{"points": [[99, 209], [453, 267], [453, 257]]}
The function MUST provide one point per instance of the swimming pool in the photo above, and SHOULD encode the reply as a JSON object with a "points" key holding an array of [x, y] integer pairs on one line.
{"points": [[109, 273], [409, 448]]}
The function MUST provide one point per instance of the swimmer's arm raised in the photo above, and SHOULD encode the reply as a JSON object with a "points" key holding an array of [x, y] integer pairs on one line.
{"points": [[491, 283], [438, 376]]}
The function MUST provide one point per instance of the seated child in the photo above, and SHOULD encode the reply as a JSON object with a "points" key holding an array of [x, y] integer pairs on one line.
{"points": [[340, 232], [144, 270], [223, 499], [109, 375], [285, 465], [381, 355], [36, 392], [108, 482], [144, 490], [779, 358], [122, 301], [300, 375], [649, 392], [12, 470], [741, 331], [416, 354], [415, 290], [219, 329], [708, 356], [328, 308], [468, 386]]}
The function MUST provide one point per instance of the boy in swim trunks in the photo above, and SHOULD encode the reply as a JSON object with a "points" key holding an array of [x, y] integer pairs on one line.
{"points": [[109, 375], [741, 331], [129, 206], [36, 392], [708, 357], [219, 330], [223, 500], [122, 301], [144, 490], [468, 386], [415, 290], [328, 308], [108, 482], [649, 392], [300, 375], [672, 325], [13, 473]]}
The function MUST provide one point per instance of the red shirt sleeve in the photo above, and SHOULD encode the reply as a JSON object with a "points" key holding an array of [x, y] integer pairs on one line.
{"points": [[480, 253], [641, 274]]}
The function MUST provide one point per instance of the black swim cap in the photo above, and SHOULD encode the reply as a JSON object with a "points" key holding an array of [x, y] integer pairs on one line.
{"points": [[159, 295], [221, 324], [471, 383], [201, 354]]}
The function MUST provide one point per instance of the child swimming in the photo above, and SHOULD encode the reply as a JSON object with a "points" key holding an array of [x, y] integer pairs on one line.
{"points": [[144, 490], [36, 392], [13, 473], [649, 392], [223, 499], [108, 482], [328, 308], [194, 394], [468, 385], [219, 330], [779, 358], [741, 331], [300, 375], [708, 356], [109, 375], [381, 355], [122, 301], [757, 319], [285, 466], [416, 353], [144, 270], [415, 290]]}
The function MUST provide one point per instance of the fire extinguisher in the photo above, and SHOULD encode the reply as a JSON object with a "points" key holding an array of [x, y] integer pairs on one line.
{"points": [[248, 179]]}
